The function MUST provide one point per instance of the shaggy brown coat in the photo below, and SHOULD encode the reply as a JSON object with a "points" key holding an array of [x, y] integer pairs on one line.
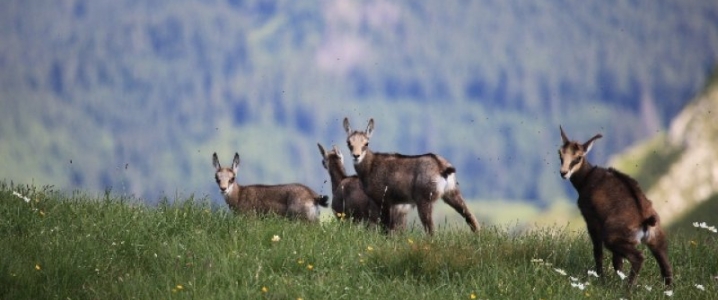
{"points": [[292, 200], [391, 179], [617, 213], [348, 197]]}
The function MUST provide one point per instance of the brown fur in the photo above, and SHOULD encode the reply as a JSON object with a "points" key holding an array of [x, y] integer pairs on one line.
{"points": [[392, 179], [292, 200], [616, 211], [349, 199]]}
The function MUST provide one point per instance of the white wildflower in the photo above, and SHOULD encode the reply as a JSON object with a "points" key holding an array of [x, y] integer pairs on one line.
{"points": [[276, 238], [668, 293], [578, 285], [700, 287], [573, 278], [592, 273], [562, 272], [21, 196], [705, 226], [620, 274], [648, 287], [536, 260]]}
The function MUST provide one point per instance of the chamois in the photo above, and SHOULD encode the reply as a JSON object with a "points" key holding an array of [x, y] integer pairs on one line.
{"points": [[290, 200], [349, 199], [617, 213], [390, 179]]}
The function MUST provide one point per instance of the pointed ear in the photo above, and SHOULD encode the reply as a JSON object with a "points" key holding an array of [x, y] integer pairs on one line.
{"points": [[564, 139], [321, 150], [337, 152], [589, 144], [347, 128], [235, 162], [215, 161], [370, 128]]}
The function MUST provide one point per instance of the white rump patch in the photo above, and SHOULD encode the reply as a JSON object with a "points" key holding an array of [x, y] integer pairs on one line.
{"points": [[643, 236], [445, 184]]}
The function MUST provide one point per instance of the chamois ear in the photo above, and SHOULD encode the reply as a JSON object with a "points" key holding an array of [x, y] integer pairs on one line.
{"points": [[235, 162], [321, 150], [589, 144], [347, 128], [564, 138], [369, 128], [215, 161], [337, 152]]}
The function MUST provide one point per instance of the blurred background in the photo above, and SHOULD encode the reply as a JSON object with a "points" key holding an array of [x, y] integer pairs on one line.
{"points": [[134, 96]]}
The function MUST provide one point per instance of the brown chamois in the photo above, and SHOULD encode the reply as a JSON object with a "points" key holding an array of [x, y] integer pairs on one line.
{"points": [[617, 213], [349, 199], [291, 200], [391, 179]]}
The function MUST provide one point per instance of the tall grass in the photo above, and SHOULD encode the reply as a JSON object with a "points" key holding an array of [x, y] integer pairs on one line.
{"points": [[75, 246]]}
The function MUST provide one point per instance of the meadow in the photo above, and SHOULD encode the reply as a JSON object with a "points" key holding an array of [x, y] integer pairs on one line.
{"points": [[77, 246]]}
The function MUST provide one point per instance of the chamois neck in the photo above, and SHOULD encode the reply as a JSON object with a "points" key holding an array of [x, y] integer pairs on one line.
{"points": [[337, 173], [233, 196], [581, 176], [365, 166]]}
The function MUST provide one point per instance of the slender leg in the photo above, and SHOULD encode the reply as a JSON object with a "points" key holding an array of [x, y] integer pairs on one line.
{"points": [[424, 209], [454, 199], [617, 262], [658, 245]]}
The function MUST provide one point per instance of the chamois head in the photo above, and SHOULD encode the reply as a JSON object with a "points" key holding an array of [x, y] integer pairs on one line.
{"points": [[573, 154], [358, 141], [225, 176], [332, 154]]}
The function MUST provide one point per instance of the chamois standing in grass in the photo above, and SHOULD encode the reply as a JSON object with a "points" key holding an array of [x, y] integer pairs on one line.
{"points": [[291, 200], [348, 197], [390, 179], [617, 213]]}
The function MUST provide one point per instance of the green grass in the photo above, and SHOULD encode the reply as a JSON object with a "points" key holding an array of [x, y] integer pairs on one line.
{"points": [[75, 246]]}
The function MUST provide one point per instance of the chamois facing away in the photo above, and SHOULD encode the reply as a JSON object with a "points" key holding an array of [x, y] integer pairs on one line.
{"points": [[617, 213], [290, 200], [349, 199], [391, 179]]}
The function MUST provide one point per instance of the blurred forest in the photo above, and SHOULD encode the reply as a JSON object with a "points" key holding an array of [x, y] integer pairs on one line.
{"points": [[134, 96]]}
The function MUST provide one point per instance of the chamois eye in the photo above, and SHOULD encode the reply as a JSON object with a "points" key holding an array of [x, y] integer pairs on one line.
{"points": [[366, 144], [349, 145], [231, 181], [576, 160]]}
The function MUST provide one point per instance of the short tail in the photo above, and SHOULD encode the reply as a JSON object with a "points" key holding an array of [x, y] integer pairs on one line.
{"points": [[322, 200]]}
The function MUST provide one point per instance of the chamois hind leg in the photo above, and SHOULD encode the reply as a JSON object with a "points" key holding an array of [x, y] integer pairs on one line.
{"points": [[454, 199], [658, 245], [617, 262], [626, 247]]}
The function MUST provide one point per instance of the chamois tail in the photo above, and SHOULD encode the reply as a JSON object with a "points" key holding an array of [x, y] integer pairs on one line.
{"points": [[322, 200]]}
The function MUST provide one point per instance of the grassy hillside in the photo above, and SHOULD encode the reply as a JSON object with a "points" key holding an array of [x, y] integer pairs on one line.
{"points": [[79, 246], [678, 169], [136, 95]]}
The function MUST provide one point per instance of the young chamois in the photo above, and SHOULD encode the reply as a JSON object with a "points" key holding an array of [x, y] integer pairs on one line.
{"points": [[391, 179], [349, 199], [291, 200], [617, 213]]}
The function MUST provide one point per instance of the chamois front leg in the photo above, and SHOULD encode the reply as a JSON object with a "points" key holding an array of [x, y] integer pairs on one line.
{"points": [[597, 242], [424, 208]]}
